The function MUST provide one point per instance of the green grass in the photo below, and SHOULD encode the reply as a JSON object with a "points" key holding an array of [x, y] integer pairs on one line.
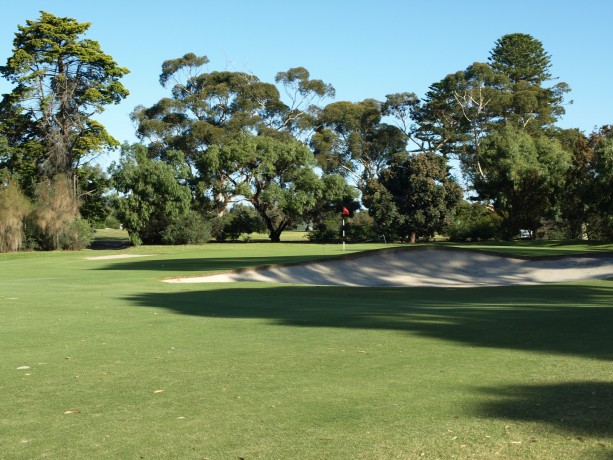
{"points": [[225, 371]]}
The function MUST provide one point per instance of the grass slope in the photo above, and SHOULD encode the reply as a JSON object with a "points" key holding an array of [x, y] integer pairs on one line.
{"points": [[120, 365]]}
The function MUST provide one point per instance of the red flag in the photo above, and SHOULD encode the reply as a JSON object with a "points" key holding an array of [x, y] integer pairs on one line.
{"points": [[345, 211]]}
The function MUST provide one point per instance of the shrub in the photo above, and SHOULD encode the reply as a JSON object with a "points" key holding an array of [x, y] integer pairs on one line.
{"points": [[475, 222], [239, 220], [112, 222], [14, 207], [326, 229], [361, 227], [77, 235], [55, 210], [191, 228]]}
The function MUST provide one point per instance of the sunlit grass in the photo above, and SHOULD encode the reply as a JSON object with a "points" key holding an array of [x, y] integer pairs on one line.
{"points": [[101, 360]]}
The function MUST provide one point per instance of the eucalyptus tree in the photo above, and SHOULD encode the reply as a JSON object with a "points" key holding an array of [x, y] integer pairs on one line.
{"points": [[352, 140], [61, 81], [276, 176], [207, 110]]}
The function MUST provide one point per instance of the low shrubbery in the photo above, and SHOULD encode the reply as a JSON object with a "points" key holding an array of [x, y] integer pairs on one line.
{"points": [[475, 222]]}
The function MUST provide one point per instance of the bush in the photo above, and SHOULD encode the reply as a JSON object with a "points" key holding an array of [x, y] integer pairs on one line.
{"points": [[191, 228], [14, 207], [361, 228], [239, 220], [112, 222], [600, 228], [55, 211], [327, 229], [76, 235], [475, 222]]}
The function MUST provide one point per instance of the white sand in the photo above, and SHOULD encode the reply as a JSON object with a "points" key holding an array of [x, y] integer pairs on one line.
{"points": [[444, 268]]}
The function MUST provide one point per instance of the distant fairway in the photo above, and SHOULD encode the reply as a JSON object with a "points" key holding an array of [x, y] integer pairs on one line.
{"points": [[102, 360]]}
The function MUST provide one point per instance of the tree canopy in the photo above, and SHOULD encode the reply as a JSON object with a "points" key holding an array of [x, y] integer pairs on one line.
{"points": [[61, 81]]}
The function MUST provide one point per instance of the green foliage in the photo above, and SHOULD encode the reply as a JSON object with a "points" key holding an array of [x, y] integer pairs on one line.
{"points": [[112, 221], [361, 228], [603, 170], [241, 219], [209, 110], [423, 193], [475, 222], [523, 176], [77, 235], [191, 228], [275, 176], [60, 80], [522, 58], [94, 204], [326, 229], [352, 140], [152, 198], [381, 207]]}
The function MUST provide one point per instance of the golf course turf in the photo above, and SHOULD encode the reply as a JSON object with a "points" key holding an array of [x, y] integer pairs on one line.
{"points": [[102, 360]]}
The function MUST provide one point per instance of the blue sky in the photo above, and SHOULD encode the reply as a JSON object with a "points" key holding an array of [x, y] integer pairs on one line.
{"points": [[365, 49]]}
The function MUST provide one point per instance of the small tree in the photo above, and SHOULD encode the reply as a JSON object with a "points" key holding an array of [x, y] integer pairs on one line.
{"points": [[423, 193], [153, 195], [56, 210], [14, 207]]}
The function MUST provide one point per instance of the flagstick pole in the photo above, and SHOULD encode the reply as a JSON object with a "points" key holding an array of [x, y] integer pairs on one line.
{"points": [[343, 233]]}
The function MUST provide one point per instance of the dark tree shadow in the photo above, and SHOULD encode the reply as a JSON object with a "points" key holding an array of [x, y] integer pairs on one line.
{"points": [[581, 408], [565, 319], [204, 264]]}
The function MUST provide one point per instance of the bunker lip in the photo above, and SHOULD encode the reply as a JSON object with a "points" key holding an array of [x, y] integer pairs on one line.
{"points": [[118, 256], [423, 267]]}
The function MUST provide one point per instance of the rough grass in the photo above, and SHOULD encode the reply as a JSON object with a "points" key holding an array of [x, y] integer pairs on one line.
{"points": [[123, 366]]}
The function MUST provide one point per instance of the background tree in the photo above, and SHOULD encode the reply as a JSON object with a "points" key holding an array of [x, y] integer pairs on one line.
{"points": [[352, 140], [324, 219], [601, 218], [210, 109], [60, 82], [275, 175], [94, 185], [423, 193], [153, 194], [239, 220], [523, 60], [525, 176]]}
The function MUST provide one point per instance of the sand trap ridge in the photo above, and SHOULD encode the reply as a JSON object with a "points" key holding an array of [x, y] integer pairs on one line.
{"points": [[428, 267], [118, 256]]}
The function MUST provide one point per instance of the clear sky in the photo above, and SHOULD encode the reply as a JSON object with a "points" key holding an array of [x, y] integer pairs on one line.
{"points": [[364, 48]]}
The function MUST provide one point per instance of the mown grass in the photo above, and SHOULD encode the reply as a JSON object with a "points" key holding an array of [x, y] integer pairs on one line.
{"points": [[151, 370]]}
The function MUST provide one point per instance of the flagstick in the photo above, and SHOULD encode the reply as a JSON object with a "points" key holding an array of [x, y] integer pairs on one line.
{"points": [[343, 233]]}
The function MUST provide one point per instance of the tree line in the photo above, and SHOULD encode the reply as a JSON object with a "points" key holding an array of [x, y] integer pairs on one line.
{"points": [[225, 153]]}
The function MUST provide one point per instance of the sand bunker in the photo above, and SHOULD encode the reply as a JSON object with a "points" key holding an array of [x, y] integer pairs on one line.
{"points": [[428, 267], [118, 256]]}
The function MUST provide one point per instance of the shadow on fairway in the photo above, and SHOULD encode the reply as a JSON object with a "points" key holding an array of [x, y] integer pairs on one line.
{"points": [[581, 408], [565, 319], [201, 264]]}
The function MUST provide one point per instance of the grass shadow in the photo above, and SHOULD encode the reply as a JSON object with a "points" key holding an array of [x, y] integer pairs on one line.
{"points": [[565, 319], [580, 408]]}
